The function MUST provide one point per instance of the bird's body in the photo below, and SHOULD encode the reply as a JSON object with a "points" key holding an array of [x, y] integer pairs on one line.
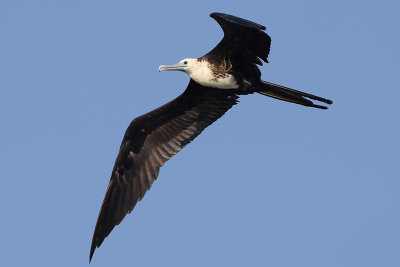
{"points": [[217, 80], [204, 75]]}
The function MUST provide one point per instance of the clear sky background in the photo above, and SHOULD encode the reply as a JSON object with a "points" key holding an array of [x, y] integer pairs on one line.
{"points": [[269, 184]]}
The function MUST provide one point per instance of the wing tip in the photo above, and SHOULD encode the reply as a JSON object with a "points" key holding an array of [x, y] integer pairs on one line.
{"points": [[94, 244], [92, 249], [238, 20]]}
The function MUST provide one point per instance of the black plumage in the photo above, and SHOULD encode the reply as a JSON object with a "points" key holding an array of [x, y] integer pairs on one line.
{"points": [[155, 137], [149, 142]]}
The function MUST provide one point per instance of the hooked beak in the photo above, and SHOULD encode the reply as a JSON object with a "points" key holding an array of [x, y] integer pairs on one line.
{"points": [[179, 66]]}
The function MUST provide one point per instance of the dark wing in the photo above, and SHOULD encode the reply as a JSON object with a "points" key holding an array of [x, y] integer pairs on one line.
{"points": [[241, 49], [149, 142], [242, 38]]}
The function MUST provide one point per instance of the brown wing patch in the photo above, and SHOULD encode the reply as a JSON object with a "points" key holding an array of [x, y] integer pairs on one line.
{"points": [[221, 69]]}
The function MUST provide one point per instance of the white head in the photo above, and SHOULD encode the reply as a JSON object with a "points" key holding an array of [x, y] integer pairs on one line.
{"points": [[186, 65]]}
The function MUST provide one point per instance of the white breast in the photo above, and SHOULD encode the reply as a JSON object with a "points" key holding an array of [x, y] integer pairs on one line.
{"points": [[203, 75]]}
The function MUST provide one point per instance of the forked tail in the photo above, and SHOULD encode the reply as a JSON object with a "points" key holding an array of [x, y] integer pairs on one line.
{"points": [[291, 95]]}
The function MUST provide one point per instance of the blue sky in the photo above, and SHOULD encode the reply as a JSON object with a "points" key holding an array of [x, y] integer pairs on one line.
{"points": [[269, 184]]}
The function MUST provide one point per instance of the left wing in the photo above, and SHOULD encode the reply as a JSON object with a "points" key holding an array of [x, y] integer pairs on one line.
{"points": [[149, 142]]}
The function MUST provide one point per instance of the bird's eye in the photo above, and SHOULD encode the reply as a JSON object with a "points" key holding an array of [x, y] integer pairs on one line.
{"points": [[185, 62]]}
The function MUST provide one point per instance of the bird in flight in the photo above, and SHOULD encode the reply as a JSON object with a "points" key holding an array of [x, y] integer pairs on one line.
{"points": [[216, 81]]}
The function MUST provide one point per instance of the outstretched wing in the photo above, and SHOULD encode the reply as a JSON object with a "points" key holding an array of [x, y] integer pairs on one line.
{"points": [[242, 38], [242, 33], [149, 142], [243, 45]]}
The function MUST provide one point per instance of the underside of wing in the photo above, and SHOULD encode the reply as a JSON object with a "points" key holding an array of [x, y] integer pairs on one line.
{"points": [[149, 142], [243, 35]]}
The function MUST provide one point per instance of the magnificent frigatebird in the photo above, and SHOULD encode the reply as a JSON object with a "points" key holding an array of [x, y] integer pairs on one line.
{"points": [[217, 80]]}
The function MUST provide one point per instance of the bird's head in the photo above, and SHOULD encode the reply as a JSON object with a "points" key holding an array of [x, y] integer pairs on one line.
{"points": [[186, 65]]}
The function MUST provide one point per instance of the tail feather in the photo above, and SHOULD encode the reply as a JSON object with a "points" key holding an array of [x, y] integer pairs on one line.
{"points": [[291, 95]]}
